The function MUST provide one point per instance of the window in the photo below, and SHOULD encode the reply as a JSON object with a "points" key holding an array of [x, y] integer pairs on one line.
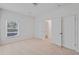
{"points": [[12, 28]]}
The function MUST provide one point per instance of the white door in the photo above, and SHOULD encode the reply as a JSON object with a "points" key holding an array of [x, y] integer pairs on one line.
{"points": [[56, 30], [69, 32]]}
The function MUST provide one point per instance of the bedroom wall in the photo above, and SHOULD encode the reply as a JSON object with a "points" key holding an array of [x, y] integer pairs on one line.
{"points": [[39, 28], [26, 26]]}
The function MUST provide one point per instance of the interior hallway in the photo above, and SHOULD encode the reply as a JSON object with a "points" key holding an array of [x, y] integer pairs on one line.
{"points": [[34, 47]]}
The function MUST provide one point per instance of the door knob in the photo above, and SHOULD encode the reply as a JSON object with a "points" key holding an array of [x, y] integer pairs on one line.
{"points": [[61, 33]]}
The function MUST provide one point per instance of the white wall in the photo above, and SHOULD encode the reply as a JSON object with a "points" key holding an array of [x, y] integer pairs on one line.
{"points": [[39, 28], [26, 26], [56, 31]]}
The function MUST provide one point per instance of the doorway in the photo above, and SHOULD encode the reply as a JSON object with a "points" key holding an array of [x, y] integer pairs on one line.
{"points": [[48, 29]]}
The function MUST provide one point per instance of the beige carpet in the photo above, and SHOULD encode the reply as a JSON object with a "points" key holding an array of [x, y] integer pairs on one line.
{"points": [[34, 47]]}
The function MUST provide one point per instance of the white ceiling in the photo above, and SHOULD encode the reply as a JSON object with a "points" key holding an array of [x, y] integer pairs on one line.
{"points": [[30, 9]]}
